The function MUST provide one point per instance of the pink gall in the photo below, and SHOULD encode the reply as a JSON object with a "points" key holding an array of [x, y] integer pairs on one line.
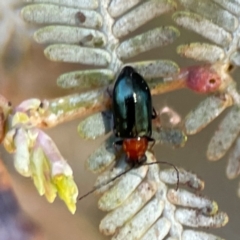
{"points": [[202, 79]]}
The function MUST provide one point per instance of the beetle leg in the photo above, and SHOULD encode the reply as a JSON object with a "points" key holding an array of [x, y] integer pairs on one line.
{"points": [[109, 91], [156, 119], [153, 142], [154, 113], [117, 143], [141, 161]]}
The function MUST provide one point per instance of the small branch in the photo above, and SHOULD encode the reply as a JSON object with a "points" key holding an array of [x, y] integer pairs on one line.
{"points": [[74, 106]]}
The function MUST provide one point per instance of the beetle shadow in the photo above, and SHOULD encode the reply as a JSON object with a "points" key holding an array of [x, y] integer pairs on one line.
{"points": [[107, 119]]}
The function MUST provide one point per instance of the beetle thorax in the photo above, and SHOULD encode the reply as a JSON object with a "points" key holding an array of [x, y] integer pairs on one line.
{"points": [[135, 148]]}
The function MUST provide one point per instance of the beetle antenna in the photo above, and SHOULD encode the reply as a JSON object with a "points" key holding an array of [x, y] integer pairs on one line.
{"points": [[126, 171], [167, 163], [105, 183]]}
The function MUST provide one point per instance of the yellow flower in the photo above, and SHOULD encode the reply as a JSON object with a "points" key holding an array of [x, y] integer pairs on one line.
{"points": [[67, 190], [41, 174]]}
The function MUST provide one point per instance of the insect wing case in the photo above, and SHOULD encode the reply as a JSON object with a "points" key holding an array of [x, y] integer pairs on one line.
{"points": [[132, 105]]}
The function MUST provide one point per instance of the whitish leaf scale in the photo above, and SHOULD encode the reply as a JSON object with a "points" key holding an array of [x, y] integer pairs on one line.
{"points": [[93, 43], [129, 205], [61, 113], [220, 19]]}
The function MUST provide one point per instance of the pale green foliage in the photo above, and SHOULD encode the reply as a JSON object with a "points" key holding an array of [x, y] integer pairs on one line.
{"points": [[87, 32], [217, 21]]}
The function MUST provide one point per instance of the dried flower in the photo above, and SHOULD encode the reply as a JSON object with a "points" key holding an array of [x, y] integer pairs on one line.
{"points": [[36, 155]]}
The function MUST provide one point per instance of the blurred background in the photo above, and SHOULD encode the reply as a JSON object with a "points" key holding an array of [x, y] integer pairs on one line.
{"points": [[26, 73]]}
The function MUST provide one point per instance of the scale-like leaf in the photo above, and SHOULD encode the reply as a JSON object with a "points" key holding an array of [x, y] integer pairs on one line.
{"points": [[141, 198], [217, 21], [99, 40], [157, 37], [99, 43], [89, 4], [141, 15], [50, 14], [202, 52], [203, 27], [70, 35]]}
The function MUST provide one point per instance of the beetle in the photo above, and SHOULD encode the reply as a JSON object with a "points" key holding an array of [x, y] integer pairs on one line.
{"points": [[132, 120], [132, 114]]}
